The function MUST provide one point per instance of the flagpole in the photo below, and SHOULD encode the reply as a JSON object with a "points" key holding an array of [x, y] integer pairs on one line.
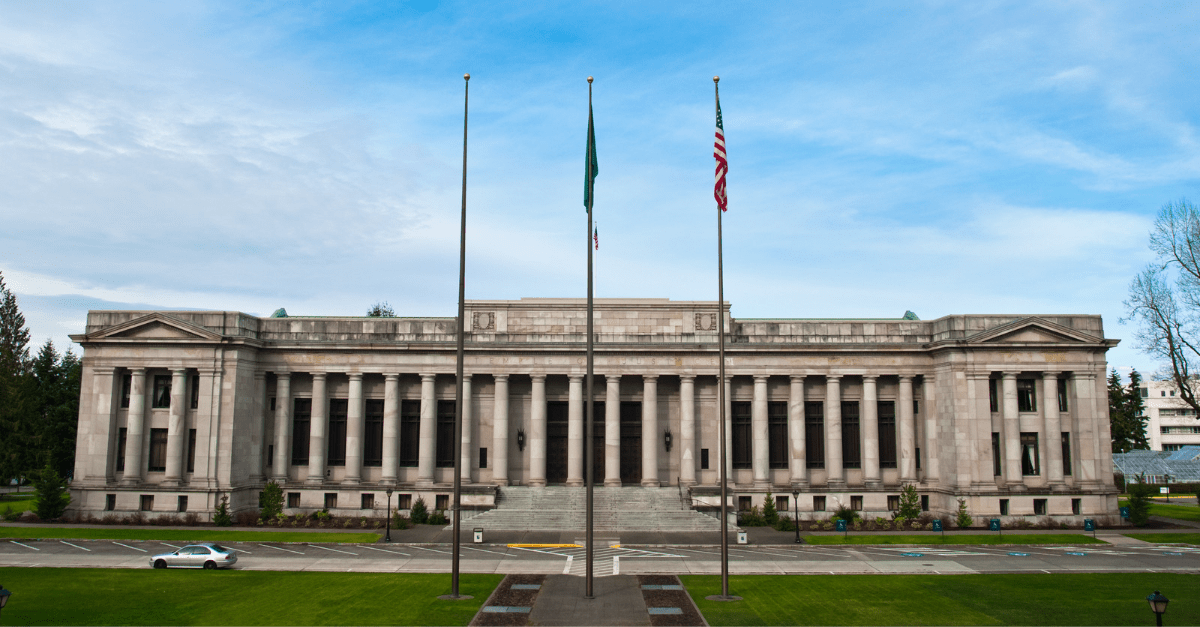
{"points": [[458, 371], [721, 384], [589, 445]]}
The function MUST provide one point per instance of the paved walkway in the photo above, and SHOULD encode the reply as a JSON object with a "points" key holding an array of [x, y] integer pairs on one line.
{"points": [[618, 601]]}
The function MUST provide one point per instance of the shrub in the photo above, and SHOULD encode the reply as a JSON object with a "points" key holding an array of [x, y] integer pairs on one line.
{"points": [[845, 513], [322, 515], [784, 524], [110, 519], [770, 514], [437, 518], [400, 521], [910, 502], [827, 525], [1139, 502], [963, 517], [419, 513], [9, 514], [50, 494], [221, 518], [751, 518], [362, 522], [247, 518], [272, 500], [191, 519]]}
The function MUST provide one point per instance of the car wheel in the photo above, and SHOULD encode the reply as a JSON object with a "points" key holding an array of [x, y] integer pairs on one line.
{"points": [[160, 564], [210, 565]]}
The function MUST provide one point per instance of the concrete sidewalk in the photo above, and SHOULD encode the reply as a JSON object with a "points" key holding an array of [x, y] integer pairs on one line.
{"points": [[618, 601]]}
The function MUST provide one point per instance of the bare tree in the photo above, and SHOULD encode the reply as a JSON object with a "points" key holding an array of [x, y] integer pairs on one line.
{"points": [[1165, 297], [381, 309]]}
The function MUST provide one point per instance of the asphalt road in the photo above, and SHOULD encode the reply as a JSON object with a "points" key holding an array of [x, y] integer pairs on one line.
{"points": [[692, 559]]}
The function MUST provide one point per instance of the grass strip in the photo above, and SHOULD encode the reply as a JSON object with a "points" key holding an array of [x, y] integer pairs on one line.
{"points": [[179, 535], [1178, 512], [12, 499], [105, 596], [1166, 538], [1008, 538], [1033, 599]]}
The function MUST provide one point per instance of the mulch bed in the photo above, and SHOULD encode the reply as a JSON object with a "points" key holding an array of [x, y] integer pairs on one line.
{"points": [[669, 598], [505, 595]]}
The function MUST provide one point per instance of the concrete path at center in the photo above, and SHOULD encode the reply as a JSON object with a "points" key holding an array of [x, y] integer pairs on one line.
{"points": [[618, 601]]}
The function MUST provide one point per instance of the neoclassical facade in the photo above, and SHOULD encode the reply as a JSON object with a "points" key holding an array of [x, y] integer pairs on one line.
{"points": [[1007, 412]]}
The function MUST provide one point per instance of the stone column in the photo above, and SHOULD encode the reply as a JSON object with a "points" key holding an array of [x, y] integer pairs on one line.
{"points": [[283, 426], [932, 462], [612, 431], [537, 432], [317, 429], [258, 431], [354, 430], [687, 426], [1088, 428], [1051, 436], [977, 446], [872, 479], [427, 441], [833, 433], [177, 439], [575, 416], [799, 462], [391, 428], [908, 431], [500, 431], [1012, 431], [760, 447], [464, 466], [650, 433], [135, 428]]}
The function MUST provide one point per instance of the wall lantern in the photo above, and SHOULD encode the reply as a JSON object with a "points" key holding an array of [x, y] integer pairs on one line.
{"points": [[521, 440], [667, 439]]}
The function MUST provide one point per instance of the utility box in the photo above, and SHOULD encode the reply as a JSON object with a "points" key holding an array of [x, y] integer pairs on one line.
{"points": [[478, 539]]}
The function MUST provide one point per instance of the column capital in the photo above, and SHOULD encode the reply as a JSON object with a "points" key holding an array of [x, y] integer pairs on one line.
{"points": [[650, 377], [319, 375], [466, 377], [797, 378], [281, 374], [537, 377], [387, 377], [500, 377], [1083, 375], [1009, 374], [870, 377], [902, 377], [137, 371], [687, 377], [833, 378], [179, 371], [426, 377], [761, 377], [575, 377], [1050, 374], [357, 376]]}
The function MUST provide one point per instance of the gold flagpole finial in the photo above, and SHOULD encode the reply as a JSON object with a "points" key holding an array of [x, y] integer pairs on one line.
{"points": [[466, 77], [716, 79], [589, 79]]}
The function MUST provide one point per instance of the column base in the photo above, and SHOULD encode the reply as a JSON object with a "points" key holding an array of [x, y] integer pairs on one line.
{"points": [[536, 483], [873, 484], [388, 481], [350, 481], [171, 483], [1017, 488], [500, 482], [1059, 488], [836, 484], [131, 482], [650, 483], [612, 483], [574, 483], [315, 480], [687, 483], [761, 484], [800, 486], [280, 480]]}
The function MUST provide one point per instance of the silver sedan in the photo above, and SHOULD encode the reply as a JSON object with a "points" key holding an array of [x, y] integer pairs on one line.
{"points": [[207, 555]]}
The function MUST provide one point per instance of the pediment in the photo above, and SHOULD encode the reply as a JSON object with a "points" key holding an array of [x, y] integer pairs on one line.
{"points": [[1032, 331], [156, 326]]}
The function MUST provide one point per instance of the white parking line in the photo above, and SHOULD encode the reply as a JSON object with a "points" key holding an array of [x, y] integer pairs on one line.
{"points": [[616, 564], [385, 551], [75, 545], [131, 547], [280, 549], [25, 545], [170, 545], [315, 546], [429, 549], [485, 550], [567, 568]]}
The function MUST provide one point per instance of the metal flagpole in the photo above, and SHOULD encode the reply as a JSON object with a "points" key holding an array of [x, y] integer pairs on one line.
{"points": [[588, 444], [458, 371], [721, 386]]}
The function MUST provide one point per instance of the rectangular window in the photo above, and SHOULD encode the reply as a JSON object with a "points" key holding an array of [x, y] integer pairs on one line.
{"points": [[331, 500], [851, 446], [916, 407], [158, 451], [181, 506], [373, 433], [1039, 507], [146, 503], [818, 503], [777, 434], [301, 423], [126, 386], [1062, 395], [703, 459], [893, 502], [410, 432], [162, 391], [441, 502], [996, 454], [1145, 392], [743, 503], [270, 454], [994, 395], [814, 435], [856, 503], [1066, 453], [1004, 507], [195, 379], [918, 452], [191, 458], [122, 435], [445, 434], [924, 502], [483, 458], [781, 503], [110, 502], [403, 501], [336, 450], [1076, 506], [742, 438], [293, 500], [1029, 454], [1026, 395], [368, 501], [887, 434]]}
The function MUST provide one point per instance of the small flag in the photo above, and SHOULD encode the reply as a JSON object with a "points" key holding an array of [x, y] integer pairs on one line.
{"points": [[596, 236], [591, 166], [722, 164]]}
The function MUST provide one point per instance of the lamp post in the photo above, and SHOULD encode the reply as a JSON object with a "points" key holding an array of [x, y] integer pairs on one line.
{"points": [[1158, 605], [796, 518], [388, 537], [4, 594]]}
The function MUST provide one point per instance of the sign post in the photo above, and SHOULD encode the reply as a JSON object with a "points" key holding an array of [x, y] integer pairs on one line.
{"points": [[994, 525], [937, 526], [1089, 525], [841, 526]]}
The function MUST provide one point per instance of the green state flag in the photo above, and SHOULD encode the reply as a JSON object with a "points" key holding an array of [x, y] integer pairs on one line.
{"points": [[591, 167]]}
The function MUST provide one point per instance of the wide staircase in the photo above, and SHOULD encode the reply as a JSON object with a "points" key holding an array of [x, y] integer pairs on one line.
{"points": [[560, 508]]}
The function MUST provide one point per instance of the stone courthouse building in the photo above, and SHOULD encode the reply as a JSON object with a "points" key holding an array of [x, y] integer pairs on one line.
{"points": [[1008, 412]]}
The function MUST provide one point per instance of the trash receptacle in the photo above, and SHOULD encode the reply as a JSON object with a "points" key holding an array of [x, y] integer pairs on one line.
{"points": [[478, 535], [742, 537]]}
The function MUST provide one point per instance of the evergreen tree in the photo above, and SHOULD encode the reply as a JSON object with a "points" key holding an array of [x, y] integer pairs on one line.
{"points": [[910, 503], [1128, 424], [14, 388], [51, 497], [770, 514]]}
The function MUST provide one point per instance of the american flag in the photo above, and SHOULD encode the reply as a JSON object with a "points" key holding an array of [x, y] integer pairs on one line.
{"points": [[722, 164], [596, 236]]}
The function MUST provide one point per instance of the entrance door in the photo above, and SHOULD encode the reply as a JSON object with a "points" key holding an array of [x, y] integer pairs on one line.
{"points": [[597, 443], [631, 442], [556, 442]]}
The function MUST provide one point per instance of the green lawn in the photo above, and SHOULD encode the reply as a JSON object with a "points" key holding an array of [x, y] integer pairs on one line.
{"points": [[1059, 599], [1008, 538], [1168, 538], [94, 596], [182, 535], [1181, 512], [18, 502]]}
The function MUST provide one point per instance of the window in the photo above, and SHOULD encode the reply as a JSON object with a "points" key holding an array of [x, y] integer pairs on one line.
{"points": [[887, 434], [191, 458], [368, 501], [121, 437], [916, 407], [272, 403], [1062, 395], [293, 500], [996, 454], [1066, 453], [777, 434], [856, 503], [781, 503], [703, 459], [1172, 447], [1026, 395], [270, 454], [182, 504], [110, 502], [126, 385], [743, 503], [162, 391], [410, 432], [158, 450], [1180, 430], [445, 434], [195, 379], [1077, 505], [483, 458], [330, 500], [893, 502], [1145, 392], [1029, 454], [338, 408], [1172, 392], [1004, 507], [373, 433], [742, 439], [818, 503], [301, 424], [146, 503], [441, 502], [851, 446], [994, 394], [814, 436], [924, 502], [403, 501], [918, 452], [1039, 507]]}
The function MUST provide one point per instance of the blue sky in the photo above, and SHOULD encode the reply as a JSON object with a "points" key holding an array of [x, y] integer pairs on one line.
{"points": [[942, 158]]}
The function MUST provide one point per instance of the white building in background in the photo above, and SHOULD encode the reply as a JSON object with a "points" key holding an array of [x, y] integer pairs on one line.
{"points": [[1171, 423]]}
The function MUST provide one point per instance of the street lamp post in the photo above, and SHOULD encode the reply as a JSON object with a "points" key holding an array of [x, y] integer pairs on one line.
{"points": [[796, 518], [4, 594], [1158, 605], [388, 537]]}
